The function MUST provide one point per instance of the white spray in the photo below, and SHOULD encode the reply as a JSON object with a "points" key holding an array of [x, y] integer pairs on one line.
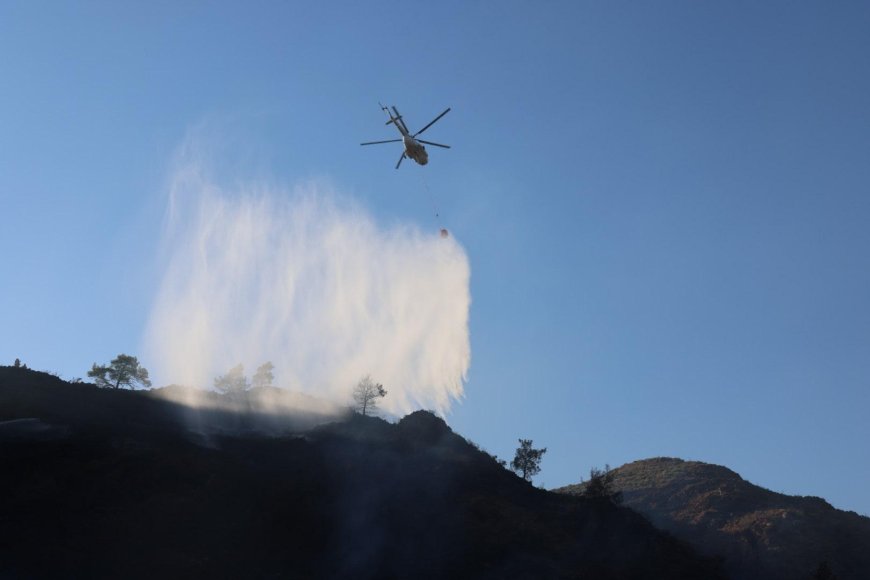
{"points": [[306, 279]]}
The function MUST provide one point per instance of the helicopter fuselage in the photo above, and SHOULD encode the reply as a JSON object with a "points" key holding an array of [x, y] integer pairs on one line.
{"points": [[415, 150]]}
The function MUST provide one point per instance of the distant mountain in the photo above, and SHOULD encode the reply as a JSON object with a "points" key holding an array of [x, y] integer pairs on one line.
{"points": [[759, 533], [118, 484]]}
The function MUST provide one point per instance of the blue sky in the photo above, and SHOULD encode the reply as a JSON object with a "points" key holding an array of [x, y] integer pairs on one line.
{"points": [[665, 205]]}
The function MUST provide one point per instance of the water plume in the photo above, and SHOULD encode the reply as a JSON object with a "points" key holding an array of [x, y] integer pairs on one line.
{"points": [[305, 278]]}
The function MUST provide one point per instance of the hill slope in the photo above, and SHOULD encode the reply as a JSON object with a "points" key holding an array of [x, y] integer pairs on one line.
{"points": [[761, 534], [102, 484]]}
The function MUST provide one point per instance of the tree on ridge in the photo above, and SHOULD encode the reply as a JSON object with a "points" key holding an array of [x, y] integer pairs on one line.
{"points": [[366, 393], [234, 382], [527, 461], [123, 371], [601, 485], [263, 377]]}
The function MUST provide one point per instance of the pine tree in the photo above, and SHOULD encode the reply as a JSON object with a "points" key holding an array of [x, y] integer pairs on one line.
{"points": [[263, 377], [123, 371], [366, 393], [527, 461], [234, 382]]}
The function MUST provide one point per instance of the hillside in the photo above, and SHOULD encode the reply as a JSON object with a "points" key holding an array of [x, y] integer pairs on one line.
{"points": [[112, 484], [760, 533]]}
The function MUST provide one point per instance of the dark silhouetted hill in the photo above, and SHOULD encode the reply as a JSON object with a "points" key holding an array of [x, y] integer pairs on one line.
{"points": [[111, 484], [27, 393], [760, 533]]}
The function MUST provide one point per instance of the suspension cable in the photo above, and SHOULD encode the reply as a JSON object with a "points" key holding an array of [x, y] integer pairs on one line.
{"points": [[432, 201]]}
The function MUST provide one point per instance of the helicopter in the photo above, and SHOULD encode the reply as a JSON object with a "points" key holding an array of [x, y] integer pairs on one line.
{"points": [[413, 148]]}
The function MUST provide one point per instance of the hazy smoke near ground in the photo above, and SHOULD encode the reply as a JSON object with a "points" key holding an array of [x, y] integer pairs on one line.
{"points": [[306, 279]]}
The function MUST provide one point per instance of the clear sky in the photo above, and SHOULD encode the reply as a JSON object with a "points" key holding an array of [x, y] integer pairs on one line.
{"points": [[665, 205]]}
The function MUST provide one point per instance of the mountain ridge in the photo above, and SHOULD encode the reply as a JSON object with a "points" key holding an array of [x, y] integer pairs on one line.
{"points": [[759, 533]]}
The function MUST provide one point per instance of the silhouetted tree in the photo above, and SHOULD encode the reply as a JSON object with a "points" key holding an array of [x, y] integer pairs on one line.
{"points": [[824, 572], [366, 393], [263, 377], [123, 371], [234, 382], [17, 364], [527, 461], [601, 485]]}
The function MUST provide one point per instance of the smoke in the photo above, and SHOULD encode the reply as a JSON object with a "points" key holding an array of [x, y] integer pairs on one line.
{"points": [[305, 278]]}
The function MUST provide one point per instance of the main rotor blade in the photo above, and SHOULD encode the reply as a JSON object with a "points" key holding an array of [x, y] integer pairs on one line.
{"points": [[435, 144], [432, 122], [399, 119], [378, 142], [400, 160]]}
